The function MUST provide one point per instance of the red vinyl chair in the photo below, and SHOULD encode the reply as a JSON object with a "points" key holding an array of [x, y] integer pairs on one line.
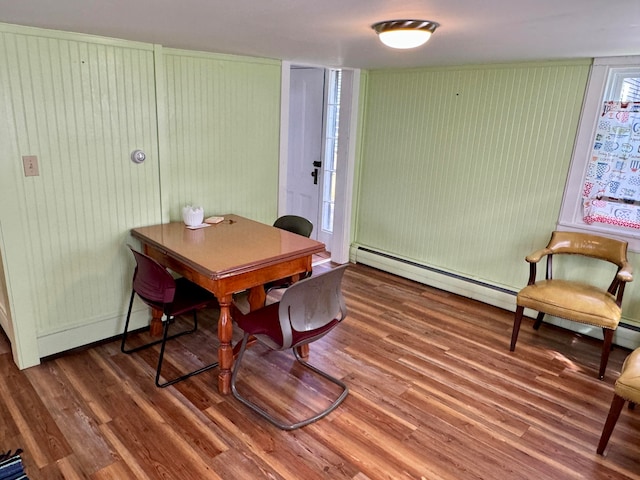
{"points": [[308, 310], [155, 286]]}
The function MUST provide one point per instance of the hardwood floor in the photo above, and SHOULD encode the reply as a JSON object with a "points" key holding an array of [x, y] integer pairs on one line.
{"points": [[434, 394]]}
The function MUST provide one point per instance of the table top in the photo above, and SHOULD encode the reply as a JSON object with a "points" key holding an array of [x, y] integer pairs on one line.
{"points": [[234, 246]]}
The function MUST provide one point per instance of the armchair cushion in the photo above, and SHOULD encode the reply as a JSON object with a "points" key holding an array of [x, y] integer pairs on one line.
{"points": [[627, 389], [628, 383], [575, 301]]}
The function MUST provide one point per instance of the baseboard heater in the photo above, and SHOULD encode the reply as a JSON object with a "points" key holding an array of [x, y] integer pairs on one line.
{"points": [[439, 271], [457, 277]]}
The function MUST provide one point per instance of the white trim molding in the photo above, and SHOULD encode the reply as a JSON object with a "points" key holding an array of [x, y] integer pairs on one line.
{"points": [[571, 213]]}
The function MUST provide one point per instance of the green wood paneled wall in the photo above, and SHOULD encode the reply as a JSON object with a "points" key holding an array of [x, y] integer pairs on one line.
{"points": [[209, 127], [459, 168], [463, 168], [80, 107], [223, 134]]}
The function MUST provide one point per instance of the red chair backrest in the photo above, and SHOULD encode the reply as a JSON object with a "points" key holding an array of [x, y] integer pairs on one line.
{"points": [[151, 281]]}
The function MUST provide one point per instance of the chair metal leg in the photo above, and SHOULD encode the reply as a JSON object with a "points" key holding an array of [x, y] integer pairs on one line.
{"points": [[614, 413], [165, 337], [125, 334], [163, 341], [126, 326], [260, 411]]}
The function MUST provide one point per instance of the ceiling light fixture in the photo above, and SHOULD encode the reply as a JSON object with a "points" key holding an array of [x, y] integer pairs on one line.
{"points": [[405, 33]]}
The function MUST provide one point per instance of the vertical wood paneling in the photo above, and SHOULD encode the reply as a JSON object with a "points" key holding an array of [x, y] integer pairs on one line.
{"points": [[464, 168], [81, 107], [223, 145], [5, 314], [82, 104]]}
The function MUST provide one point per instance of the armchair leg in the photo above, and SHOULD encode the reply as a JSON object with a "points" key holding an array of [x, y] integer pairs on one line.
{"points": [[539, 318], [517, 320], [606, 348], [614, 413]]}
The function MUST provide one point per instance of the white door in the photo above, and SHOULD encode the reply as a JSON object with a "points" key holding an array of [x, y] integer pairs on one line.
{"points": [[304, 169], [330, 212]]}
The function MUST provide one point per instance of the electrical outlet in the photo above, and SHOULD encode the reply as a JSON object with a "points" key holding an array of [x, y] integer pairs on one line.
{"points": [[30, 163]]}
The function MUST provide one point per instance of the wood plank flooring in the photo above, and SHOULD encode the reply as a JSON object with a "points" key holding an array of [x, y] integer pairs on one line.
{"points": [[434, 394]]}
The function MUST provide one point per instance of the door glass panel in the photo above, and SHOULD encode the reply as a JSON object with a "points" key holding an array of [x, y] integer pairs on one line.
{"points": [[331, 149]]}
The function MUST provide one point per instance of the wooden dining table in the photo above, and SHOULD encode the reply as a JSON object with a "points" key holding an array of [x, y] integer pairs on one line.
{"points": [[235, 255]]}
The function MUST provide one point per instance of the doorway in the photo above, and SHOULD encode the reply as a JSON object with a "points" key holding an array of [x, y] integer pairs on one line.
{"points": [[317, 152], [306, 128]]}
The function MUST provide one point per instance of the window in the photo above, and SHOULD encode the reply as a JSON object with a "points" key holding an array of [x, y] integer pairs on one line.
{"points": [[331, 149], [603, 188]]}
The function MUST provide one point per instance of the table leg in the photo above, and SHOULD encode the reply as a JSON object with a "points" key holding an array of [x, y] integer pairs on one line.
{"points": [[225, 350], [155, 328], [257, 297]]}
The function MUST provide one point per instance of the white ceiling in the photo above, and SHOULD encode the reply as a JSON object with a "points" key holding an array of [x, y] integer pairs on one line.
{"points": [[338, 32]]}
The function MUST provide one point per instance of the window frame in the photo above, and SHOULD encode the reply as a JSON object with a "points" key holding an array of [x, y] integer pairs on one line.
{"points": [[571, 214]]}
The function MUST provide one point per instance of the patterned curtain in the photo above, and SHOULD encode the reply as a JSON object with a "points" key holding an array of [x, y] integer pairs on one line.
{"points": [[611, 190]]}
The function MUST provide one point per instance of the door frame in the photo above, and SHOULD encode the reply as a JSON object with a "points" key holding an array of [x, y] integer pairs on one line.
{"points": [[341, 238]]}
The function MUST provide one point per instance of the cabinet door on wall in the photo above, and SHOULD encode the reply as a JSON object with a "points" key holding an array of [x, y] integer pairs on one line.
{"points": [[80, 105]]}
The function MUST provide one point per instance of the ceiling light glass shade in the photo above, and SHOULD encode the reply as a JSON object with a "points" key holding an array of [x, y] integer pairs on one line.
{"points": [[404, 38], [405, 33]]}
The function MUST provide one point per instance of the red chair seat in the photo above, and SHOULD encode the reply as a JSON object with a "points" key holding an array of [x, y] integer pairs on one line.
{"points": [[266, 321]]}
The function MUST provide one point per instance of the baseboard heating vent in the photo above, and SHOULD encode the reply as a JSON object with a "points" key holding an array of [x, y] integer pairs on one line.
{"points": [[438, 271], [454, 276]]}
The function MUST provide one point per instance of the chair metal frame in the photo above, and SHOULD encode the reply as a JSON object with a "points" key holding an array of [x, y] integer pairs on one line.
{"points": [[327, 311], [170, 288]]}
